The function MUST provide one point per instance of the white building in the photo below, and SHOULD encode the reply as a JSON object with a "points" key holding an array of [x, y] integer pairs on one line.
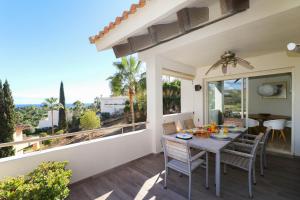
{"points": [[19, 136], [47, 122], [113, 105]]}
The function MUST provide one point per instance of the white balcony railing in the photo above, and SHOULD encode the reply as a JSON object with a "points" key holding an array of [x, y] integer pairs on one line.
{"points": [[85, 158]]}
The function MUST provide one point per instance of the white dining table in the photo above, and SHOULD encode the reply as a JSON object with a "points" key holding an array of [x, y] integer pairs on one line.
{"points": [[214, 146]]}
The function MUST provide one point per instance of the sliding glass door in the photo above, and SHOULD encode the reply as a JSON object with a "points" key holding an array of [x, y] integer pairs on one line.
{"points": [[227, 101]]}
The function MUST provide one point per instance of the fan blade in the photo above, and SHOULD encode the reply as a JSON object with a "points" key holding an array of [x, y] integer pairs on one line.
{"points": [[224, 68], [237, 80], [214, 66], [242, 60], [244, 63]]}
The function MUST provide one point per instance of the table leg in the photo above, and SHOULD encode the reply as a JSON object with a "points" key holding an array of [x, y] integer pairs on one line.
{"points": [[218, 174]]}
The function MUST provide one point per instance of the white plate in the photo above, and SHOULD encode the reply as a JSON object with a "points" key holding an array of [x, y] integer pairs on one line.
{"points": [[184, 136], [220, 136]]}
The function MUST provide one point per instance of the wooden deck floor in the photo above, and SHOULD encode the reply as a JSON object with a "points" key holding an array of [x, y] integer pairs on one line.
{"points": [[143, 179]]}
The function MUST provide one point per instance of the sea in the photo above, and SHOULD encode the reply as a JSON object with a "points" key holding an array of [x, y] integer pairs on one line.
{"points": [[41, 105]]}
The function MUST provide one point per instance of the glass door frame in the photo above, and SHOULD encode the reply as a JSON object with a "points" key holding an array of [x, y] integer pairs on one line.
{"points": [[289, 69], [244, 106]]}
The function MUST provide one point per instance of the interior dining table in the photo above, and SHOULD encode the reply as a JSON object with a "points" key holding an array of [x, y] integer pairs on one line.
{"points": [[214, 146], [266, 117]]}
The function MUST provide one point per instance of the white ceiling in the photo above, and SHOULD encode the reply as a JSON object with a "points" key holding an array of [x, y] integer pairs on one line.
{"points": [[268, 35]]}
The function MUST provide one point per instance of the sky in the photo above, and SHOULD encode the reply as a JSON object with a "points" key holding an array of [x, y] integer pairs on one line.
{"points": [[45, 42]]}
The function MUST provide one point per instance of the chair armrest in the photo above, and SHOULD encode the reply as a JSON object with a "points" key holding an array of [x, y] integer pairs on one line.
{"points": [[198, 155], [249, 135], [246, 140], [237, 153], [242, 145]]}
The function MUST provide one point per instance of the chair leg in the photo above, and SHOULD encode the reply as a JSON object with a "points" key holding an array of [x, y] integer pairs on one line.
{"points": [[190, 186], [166, 174], [250, 183], [273, 134], [254, 175], [283, 136], [225, 168], [265, 159], [261, 157], [206, 172]]}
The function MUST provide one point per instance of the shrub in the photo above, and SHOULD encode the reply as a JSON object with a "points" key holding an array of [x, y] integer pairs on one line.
{"points": [[89, 120], [49, 181]]}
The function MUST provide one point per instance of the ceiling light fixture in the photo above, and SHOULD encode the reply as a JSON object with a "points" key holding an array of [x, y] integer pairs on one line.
{"points": [[293, 46]]}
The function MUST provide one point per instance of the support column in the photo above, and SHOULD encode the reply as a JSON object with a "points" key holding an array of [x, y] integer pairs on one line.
{"points": [[154, 102]]}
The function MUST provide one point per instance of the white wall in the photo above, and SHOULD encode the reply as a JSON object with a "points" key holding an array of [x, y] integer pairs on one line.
{"points": [[187, 90], [178, 118], [258, 104], [85, 158]]}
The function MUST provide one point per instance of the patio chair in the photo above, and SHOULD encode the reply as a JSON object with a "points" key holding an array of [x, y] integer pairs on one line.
{"points": [[189, 124], [245, 161], [234, 121], [169, 128], [249, 138], [277, 125], [178, 157]]}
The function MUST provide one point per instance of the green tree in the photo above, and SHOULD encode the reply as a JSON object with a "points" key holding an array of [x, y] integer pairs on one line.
{"points": [[125, 80], [7, 119], [62, 120], [51, 105], [78, 108], [89, 120]]}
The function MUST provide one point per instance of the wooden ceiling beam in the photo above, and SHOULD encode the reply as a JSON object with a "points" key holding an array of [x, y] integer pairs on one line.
{"points": [[141, 42], [230, 6], [189, 18], [163, 32], [122, 50]]}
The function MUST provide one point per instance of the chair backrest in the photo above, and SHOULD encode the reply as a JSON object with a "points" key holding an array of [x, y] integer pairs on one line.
{"points": [[169, 128], [288, 124], [189, 124], [266, 135], [234, 121], [252, 123], [277, 124], [176, 149], [257, 139]]}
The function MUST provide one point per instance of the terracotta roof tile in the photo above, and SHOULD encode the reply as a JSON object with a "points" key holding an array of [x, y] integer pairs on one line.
{"points": [[118, 20]]}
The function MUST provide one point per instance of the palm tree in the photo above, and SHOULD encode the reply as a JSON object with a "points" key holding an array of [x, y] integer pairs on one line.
{"points": [[125, 80], [78, 108], [52, 104]]}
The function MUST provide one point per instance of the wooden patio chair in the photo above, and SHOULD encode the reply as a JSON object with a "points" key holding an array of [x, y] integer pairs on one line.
{"points": [[245, 161], [169, 128], [249, 138], [178, 157], [189, 124]]}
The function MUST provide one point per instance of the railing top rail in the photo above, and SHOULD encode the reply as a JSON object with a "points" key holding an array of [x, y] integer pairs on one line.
{"points": [[8, 144]]}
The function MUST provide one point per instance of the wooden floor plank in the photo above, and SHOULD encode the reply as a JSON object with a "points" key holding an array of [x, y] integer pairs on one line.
{"points": [[143, 179]]}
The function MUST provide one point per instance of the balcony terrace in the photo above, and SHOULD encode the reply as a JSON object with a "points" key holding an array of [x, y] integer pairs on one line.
{"points": [[143, 179]]}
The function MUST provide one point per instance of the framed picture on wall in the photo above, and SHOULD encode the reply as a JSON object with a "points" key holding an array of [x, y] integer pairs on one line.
{"points": [[275, 90]]}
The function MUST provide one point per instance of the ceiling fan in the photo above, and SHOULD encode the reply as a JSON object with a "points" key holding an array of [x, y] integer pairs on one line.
{"points": [[229, 58]]}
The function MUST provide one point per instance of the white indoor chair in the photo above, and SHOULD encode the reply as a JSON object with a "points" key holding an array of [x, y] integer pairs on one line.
{"points": [[178, 157], [288, 124], [276, 125], [252, 123]]}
